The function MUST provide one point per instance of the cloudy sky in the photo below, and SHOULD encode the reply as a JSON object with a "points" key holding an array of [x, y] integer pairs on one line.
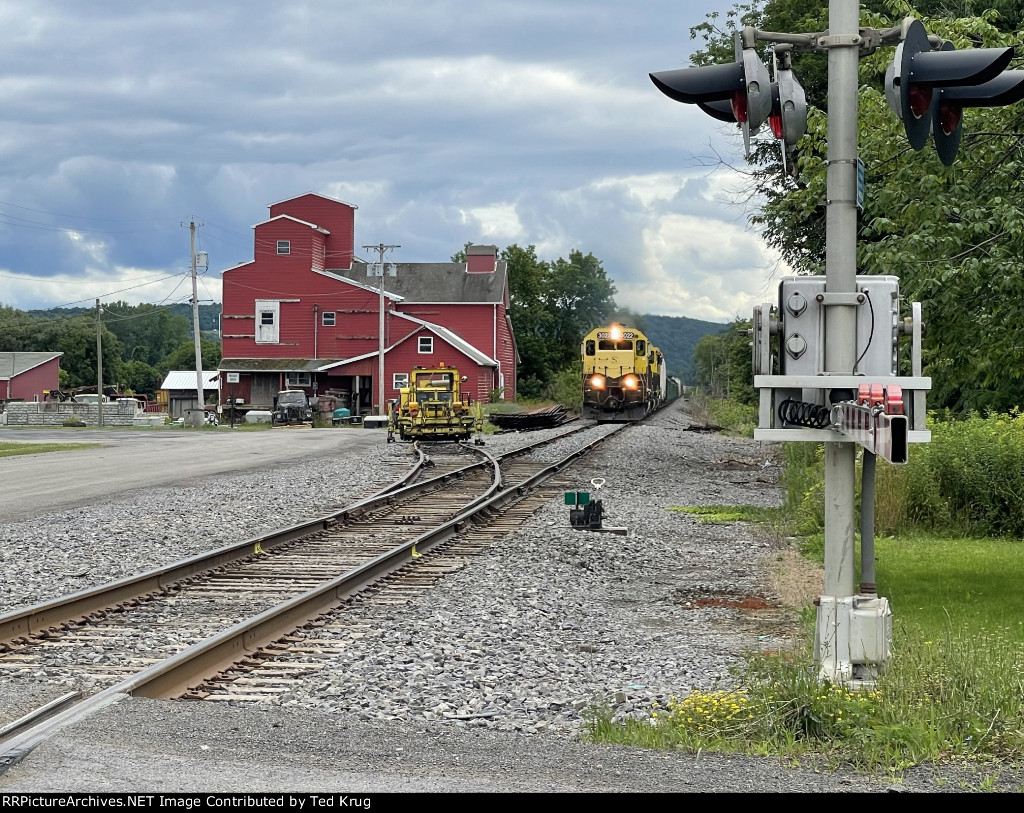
{"points": [[444, 121]]}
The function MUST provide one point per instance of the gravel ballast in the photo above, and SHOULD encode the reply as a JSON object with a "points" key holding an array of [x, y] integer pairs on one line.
{"points": [[480, 683]]}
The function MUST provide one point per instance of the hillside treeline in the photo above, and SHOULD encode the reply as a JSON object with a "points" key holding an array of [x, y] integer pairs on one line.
{"points": [[140, 343]]}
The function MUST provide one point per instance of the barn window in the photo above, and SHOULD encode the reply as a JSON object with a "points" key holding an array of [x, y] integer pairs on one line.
{"points": [[400, 380], [284, 246], [426, 344], [295, 380], [329, 319]]}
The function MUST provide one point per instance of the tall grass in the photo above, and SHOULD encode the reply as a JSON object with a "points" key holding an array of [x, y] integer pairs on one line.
{"points": [[954, 697], [968, 480], [738, 419]]}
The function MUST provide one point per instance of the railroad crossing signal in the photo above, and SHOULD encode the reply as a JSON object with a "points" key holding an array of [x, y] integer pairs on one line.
{"points": [[739, 91], [788, 118], [928, 89]]}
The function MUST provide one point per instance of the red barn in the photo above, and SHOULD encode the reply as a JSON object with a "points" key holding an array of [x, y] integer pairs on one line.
{"points": [[28, 376], [306, 314]]}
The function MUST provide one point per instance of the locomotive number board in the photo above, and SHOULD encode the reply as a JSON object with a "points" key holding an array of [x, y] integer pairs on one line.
{"points": [[626, 334]]}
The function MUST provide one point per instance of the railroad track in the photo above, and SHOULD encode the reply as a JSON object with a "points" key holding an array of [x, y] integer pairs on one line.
{"points": [[208, 622]]}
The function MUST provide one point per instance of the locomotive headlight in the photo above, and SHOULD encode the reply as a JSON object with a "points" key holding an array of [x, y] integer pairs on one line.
{"points": [[597, 382], [615, 332], [630, 382]]}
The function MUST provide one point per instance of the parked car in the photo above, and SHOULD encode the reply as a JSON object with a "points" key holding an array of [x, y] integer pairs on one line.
{"points": [[292, 407]]}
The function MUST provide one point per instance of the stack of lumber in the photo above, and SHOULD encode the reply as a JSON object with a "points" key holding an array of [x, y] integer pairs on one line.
{"points": [[544, 418]]}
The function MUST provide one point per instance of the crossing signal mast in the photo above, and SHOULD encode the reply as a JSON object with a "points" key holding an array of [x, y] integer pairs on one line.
{"points": [[825, 357]]}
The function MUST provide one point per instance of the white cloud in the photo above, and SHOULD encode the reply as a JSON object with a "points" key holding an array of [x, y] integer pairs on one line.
{"points": [[499, 222], [443, 121]]}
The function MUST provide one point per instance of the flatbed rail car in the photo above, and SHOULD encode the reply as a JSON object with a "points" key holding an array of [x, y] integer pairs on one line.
{"points": [[432, 407], [624, 376]]}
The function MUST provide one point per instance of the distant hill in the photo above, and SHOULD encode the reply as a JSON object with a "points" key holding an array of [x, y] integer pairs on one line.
{"points": [[677, 337]]}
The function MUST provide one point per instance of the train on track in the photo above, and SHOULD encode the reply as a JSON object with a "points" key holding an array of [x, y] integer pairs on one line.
{"points": [[433, 408], [624, 375]]}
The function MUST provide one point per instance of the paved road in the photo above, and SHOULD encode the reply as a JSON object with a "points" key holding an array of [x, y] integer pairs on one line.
{"points": [[128, 460]]}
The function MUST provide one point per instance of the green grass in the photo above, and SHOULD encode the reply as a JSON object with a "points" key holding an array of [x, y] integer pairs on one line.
{"points": [[723, 514], [947, 584], [954, 689], [9, 449]]}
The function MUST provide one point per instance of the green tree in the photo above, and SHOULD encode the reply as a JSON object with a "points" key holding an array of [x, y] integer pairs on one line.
{"points": [[74, 336], [953, 236], [140, 378], [722, 362], [184, 357], [552, 306], [532, 321], [580, 297], [148, 332]]}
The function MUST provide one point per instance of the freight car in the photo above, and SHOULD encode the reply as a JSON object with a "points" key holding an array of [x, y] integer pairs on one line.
{"points": [[432, 407], [624, 375]]}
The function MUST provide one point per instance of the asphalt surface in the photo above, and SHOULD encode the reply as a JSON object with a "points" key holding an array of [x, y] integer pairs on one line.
{"points": [[127, 460]]}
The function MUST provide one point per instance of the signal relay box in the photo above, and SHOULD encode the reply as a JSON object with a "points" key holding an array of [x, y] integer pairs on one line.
{"points": [[802, 323], [797, 390]]}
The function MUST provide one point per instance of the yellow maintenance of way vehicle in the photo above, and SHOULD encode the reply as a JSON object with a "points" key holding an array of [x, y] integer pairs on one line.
{"points": [[433, 408]]}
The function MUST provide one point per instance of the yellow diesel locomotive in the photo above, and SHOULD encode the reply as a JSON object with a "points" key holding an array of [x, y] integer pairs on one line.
{"points": [[432, 407], [624, 375]]}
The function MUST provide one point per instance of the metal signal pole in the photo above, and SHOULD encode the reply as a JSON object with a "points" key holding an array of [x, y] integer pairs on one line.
{"points": [[841, 282], [99, 365], [200, 391], [381, 250]]}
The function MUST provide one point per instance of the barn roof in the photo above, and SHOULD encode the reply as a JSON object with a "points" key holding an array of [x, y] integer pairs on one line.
{"points": [[289, 365], [16, 363], [435, 282]]}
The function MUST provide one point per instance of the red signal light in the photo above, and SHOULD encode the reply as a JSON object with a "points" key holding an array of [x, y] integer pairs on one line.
{"points": [[920, 99], [775, 122], [950, 117], [739, 106]]}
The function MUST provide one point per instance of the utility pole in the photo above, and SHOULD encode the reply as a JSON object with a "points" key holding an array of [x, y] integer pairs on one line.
{"points": [[380, 271], [99, 366], [200, 392]]}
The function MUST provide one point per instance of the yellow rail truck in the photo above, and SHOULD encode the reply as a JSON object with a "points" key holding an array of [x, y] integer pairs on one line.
{"points": [[432, 407]]}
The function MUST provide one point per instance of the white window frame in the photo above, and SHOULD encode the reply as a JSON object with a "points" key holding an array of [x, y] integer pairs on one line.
{"points": [[399, 381], [333, 319], [284, 246], [296, 381], [425, 345]]}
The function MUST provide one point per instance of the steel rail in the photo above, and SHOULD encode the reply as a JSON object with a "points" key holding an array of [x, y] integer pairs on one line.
{"points": [[50, 615], [172, 677]]}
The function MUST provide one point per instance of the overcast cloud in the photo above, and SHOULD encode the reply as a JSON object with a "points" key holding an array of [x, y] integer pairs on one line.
{"points": [[443, 121]]}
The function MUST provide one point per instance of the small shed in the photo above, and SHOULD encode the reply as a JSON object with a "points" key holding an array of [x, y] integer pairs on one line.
{"points": [[28, 376], [178, 391]]}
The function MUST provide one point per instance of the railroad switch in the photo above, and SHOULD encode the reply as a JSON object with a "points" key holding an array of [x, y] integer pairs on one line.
{"points": [[587, 514]]}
